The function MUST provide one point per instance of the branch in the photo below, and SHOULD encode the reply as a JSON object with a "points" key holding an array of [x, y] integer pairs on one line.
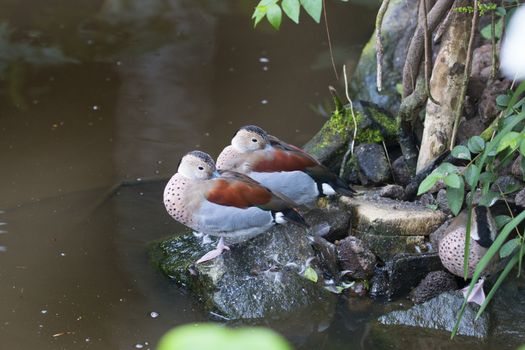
{"points": [[379, 44], [416, 47], [466, 74], [428, 53]]}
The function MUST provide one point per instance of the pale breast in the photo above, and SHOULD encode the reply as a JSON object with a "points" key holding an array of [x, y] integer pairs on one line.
{"points": [[451, 252], [176, 200]]}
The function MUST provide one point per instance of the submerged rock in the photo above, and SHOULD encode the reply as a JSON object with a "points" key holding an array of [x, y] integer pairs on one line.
{"points": [[355, 258], [441, 313], [272, 275], [435, 283], [373, 167]]}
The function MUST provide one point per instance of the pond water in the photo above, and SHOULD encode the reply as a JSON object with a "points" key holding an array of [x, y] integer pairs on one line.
{"points": [[97, 92]]}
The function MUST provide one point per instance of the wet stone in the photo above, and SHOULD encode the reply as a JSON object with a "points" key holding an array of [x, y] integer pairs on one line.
{"points": [[355, 258], [402, 174], [372, 164], [435, 283], [441, 313], [259, 278], [520, 198], [392, 191], [339, 221]]}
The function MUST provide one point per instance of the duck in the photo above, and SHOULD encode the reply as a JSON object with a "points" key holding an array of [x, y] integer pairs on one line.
{"points": [[224, 203], [280, 166], [452, 247]]}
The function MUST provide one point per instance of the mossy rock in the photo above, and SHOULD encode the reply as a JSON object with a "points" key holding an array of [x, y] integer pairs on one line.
{"points": [[374, 125], [260, 278]]}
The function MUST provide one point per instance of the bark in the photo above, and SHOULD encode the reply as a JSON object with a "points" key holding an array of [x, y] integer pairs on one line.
{"points": [[446, 87]]}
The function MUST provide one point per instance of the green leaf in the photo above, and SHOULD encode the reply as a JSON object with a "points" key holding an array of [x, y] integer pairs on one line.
{"points": [[511, 140], [501, 220], [461, 152], [204, 336], [508, 248], [446, 168], [501, 11], [522, 147], [313, 8], [275, 16], [291, 8], [310, 274], [487, 177], [453, 180], [489, 198], [476, 144], [486, 31], [503, 100], [470, 174], [455, 197], [427, 184]]}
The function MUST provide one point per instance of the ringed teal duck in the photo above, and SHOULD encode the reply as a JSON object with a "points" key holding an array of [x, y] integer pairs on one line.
{"points": [[223, 203], [282, 167]]}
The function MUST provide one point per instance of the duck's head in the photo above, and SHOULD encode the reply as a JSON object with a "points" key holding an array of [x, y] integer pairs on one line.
{"points": [[197, 165], [250, 138]]}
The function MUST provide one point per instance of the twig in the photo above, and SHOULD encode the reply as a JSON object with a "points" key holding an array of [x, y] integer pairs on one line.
{"points": [[350, 149], [329, 40], [466, 75], [389, 162], [428, 52], [379, 44], [493, 45]]}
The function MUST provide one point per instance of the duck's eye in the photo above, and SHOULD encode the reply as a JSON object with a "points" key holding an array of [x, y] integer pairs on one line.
{"points": [[254, 140], [201, 168]]}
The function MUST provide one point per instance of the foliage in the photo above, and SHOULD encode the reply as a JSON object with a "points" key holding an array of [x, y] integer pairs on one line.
{"points": [[273, 9], [482, 8], [209, 336], [486, 158]]}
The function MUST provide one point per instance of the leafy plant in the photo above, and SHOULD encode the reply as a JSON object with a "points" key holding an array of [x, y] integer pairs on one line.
{"points": [[209, 336], [273, 10], [486, 158]]}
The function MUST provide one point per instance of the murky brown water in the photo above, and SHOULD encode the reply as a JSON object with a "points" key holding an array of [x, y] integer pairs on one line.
{"points": [[96, 92]]}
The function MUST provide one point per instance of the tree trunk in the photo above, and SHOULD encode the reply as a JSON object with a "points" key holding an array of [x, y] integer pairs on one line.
{"points": [[445, 87]]}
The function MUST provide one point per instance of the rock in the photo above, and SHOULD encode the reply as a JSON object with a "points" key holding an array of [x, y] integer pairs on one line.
{"points": [[427, 200], [506, 184], [372, 164], [339, 221], [398, 26], [507, 308], [405, 271], [442, 201], [402, 173], [258, 278], [390, 227], [519, 200], [437, 235], [386, 247], [435, 283], [517, 168], [441, 313], [487, 109], [379, 283], [326, 254], [479, 75], [331, 142], [392, 191], [355, 258]]}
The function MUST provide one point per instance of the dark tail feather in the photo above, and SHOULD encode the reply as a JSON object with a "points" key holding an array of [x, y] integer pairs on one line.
{"points": [[342, 188], [293, 215]]}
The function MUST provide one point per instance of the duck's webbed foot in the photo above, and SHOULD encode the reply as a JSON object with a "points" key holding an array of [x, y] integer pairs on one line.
{"points": [[477, 295], [212, 254]]}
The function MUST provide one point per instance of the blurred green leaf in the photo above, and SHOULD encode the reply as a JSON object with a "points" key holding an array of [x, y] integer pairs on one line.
{"points": [[455, 197], [486, 31], [511, 139], [446, 168], [489, 198], [216, 337], [313, 8], [310, 274], [522, 147], [501, 220], [292, 9], [461, 152], [508, 248], [470, 174], [476, 144], [274, 15], [427, 183], [453, 180]]}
